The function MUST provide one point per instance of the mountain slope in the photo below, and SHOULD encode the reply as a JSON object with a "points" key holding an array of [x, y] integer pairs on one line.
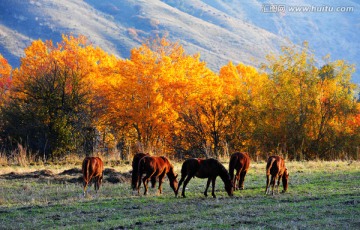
{"points": [[220, 30]]}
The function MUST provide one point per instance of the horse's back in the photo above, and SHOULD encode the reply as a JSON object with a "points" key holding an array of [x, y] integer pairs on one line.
{"points": [[137, 157], [240, 160], [209, 168], [93, 165], [152, 163], [190, 166], [275, 165]]}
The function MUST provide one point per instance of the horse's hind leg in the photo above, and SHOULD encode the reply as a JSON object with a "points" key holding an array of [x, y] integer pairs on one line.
{"points": [[180, 182], [207, 186], [146, 182], [272, 184], [96, 184], [213, 180], [153, 181], [242, 179], [161, 177], [85, 184], [267, 184], [237, 180], [188, 178], [138, 184]]}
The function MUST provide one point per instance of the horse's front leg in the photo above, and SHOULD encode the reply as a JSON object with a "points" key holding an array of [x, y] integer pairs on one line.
{"points": [[213, 180], [278, 183], [207, 186]]}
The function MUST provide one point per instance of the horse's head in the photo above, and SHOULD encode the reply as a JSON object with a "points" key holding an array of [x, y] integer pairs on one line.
{"points": [[174, 183], [285, 179], [229, 188]]}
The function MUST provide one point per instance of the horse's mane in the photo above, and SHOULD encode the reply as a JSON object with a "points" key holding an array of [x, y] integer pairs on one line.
{"points": [[223, 173]]}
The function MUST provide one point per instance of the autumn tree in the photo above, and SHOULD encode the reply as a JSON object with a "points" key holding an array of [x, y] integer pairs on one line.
{"points": [[5, 84], [5, 80], [142, 101], [248, 95], [307, 101], [50, 110]]}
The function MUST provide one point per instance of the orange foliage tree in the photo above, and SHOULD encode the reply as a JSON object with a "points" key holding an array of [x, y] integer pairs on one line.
{"points": [[5, 79], [75, 97], [51, 107]]}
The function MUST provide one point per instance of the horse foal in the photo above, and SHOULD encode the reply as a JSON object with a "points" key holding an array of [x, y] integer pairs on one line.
{"points": [[275, 168]]}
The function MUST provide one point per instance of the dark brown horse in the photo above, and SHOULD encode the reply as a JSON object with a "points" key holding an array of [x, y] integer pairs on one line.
{"points": [[276, 168], [156, 167], [240, 162], [135, 164], [209, 168], [92, 167]]}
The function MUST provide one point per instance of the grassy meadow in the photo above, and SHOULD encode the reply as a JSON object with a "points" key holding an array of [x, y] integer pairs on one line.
{"points": [[321, 195]]}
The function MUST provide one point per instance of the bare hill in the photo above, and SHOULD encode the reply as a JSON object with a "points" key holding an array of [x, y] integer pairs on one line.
{"points": [[220, 30]]}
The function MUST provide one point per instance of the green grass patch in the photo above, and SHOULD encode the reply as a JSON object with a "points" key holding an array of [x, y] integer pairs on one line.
{"points": [[321, 195]]}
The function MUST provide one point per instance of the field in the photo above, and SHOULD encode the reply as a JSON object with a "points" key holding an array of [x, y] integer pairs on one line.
{"points": [[321, 195]]}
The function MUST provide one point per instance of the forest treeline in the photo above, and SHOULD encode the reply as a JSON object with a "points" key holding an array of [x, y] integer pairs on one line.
{"points": [[72, 97]]}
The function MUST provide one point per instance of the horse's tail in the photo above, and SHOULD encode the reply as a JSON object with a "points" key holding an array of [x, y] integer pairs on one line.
{"points": [[86, 174], [232, 166], [140, 171], [134, 174], [269, 165]]}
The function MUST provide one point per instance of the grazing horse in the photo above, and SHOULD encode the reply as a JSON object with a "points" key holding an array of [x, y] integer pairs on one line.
{"points": [[240, 162], [276, 168], [92, 167], [156, 167], [135, 164], [209, 168]]}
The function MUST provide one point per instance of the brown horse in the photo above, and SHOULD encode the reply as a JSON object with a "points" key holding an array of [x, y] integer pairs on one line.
{"points": [[92, 167], [209, 168], [156, 167], [276, 168], [240, 162], [135, 164]]}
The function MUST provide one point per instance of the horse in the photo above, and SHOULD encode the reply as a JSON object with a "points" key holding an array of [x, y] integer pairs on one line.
{"points": [[276, 168], [92, 167], [240, 162], [135, 164], [156, 167], [209, 168]]}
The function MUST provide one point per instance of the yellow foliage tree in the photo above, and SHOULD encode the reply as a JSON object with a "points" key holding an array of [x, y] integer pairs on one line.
{"points": [[5, 79]]}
